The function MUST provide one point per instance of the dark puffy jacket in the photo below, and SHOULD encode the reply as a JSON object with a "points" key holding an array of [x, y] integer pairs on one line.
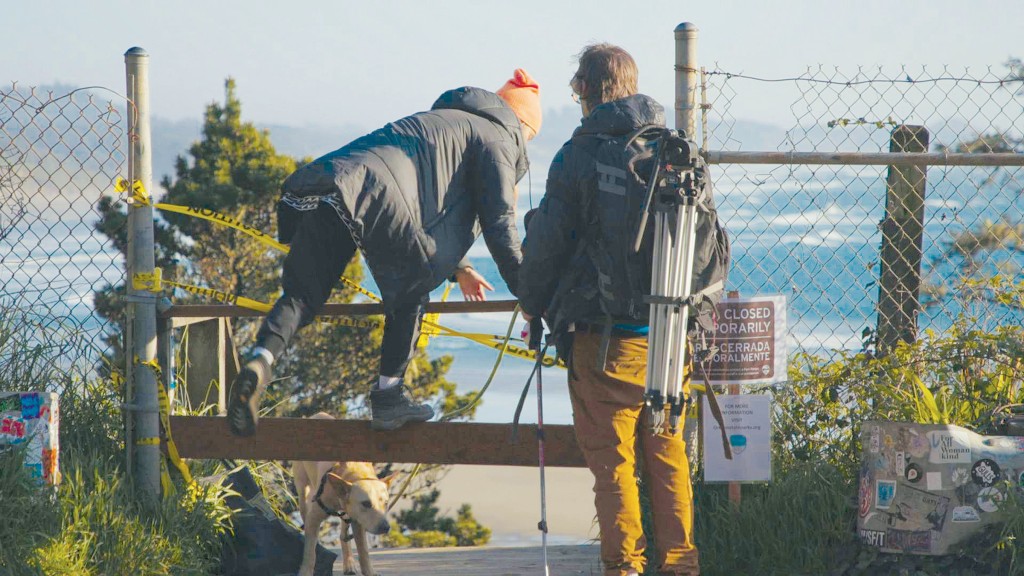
{"points": [[416, 193], [556, 277]]}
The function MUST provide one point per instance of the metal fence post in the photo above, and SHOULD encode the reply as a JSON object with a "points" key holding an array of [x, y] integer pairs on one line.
{"points": [[686, 120], [686, 79], [142, 350], [899, 285]]}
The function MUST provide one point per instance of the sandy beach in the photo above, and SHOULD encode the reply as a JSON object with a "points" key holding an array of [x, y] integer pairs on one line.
{"points": [[507, 500]]}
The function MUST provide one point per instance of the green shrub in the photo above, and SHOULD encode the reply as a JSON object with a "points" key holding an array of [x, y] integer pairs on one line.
{"points": [[431, 539], [94, 523], [421, 524], [804, 521]]}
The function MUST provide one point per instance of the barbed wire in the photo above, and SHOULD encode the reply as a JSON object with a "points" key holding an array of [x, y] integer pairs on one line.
{"points": [[907, 79]]}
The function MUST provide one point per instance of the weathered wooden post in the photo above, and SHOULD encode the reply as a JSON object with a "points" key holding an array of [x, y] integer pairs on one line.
{"points": [[210, 363], [899, 286]]}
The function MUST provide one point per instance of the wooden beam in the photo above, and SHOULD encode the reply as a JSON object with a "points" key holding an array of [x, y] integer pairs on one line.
{"points": [[358, 309], [207, 437]]}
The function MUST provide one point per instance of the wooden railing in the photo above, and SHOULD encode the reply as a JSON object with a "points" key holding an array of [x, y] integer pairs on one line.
{"points": [[208, 437]]}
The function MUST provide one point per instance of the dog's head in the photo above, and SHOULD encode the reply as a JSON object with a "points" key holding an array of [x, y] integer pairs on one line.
{"points": [[365, 500]]}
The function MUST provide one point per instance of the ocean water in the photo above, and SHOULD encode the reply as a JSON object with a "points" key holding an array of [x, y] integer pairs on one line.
{"points": [[811, 234]]}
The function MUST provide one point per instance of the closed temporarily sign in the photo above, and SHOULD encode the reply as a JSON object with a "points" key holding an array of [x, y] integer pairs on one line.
{"points": [[751, 340]]}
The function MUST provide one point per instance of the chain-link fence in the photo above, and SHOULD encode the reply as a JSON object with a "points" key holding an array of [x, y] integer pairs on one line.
{"points": [[59, 153], [814, 232]]}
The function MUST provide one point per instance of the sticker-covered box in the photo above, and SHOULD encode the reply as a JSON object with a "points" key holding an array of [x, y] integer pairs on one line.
{"points": [[925, 488], [31, 418]]}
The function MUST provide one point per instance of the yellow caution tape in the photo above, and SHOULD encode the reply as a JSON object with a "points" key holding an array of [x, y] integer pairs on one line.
{"points": [[139, 194], [152, 364], [165, 423], [361, 290], [172, 448], [511, 349], [149, 282], [218, 218], [221, 296], [429, 326]]}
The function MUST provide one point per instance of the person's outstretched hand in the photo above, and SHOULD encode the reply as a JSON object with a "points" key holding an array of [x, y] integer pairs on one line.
{"points": [[472, 285]]}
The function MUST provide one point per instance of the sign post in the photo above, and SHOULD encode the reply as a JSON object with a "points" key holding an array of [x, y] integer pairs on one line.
{"points": [[751, 342]]}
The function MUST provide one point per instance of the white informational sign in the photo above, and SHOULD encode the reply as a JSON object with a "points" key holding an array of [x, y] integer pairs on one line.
{"points": [[751, 340], [748, 425]]}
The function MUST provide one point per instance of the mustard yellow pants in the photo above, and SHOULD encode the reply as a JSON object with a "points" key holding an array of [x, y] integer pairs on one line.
{"points": [[611, 428]]}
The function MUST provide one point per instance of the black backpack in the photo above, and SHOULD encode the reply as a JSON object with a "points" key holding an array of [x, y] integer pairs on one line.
{"points": [[613, 208]]}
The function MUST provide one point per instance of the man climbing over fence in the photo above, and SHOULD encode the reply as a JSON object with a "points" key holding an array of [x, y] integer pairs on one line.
{"points": [[412, 196], [581, 273]]}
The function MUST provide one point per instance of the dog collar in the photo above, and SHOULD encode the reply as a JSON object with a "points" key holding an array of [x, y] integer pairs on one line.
{"points": [[319, 492], [339, 513]]}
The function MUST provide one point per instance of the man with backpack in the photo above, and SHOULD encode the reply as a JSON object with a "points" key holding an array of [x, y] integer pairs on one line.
{"points": [[412, 196], [580, 272]]}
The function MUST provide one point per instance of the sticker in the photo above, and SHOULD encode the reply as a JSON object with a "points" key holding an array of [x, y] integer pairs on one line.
{"points": [[916, 509], [985, 472], [864, 495], [989, 499], [13, 427], [885, 491], [965, 514], [947, 448], [913, 473], [917, 444], [881, 463], [876, 440], [933, 481], [738, 443], [873, 538], [30, 403], [909, 540], [901, 464]]}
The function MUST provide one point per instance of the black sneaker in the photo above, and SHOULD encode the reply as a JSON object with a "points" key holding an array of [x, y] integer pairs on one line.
{"points": [[393, 407], [244, 397]]}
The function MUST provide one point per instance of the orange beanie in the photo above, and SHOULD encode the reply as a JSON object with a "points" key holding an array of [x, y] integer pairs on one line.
{"points": [[522, 93]]}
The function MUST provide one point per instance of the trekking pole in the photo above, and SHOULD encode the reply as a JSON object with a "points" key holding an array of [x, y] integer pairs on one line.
{"points": [[536, 332]]}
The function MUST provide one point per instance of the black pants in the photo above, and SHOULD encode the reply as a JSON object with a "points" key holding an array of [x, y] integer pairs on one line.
{"points": [[320, 251]]}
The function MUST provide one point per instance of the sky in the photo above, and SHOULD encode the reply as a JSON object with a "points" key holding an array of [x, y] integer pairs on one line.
{"points": [[363, 63]]}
